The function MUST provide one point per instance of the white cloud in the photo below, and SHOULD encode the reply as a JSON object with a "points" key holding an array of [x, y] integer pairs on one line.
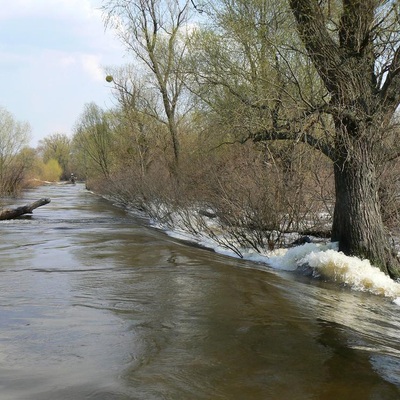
{"points": [[51, 53], [92, 66], [51, 8], [67, 60]]}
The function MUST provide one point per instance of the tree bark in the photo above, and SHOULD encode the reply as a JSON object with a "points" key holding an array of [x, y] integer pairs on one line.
{"points": [[361, 109], [11, 213], [357, 222]]}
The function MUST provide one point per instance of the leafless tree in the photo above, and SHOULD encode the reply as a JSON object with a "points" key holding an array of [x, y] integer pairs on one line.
{"points": [[155, 33]]}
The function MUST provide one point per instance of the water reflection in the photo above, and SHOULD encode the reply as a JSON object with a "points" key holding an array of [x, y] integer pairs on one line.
{"points": [[94, 305]]}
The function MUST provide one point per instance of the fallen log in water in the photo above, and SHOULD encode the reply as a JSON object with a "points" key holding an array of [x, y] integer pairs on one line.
{"points": [[10, 213]]}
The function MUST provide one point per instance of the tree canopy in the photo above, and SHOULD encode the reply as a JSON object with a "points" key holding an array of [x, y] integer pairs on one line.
{"points": [[297, 84]]}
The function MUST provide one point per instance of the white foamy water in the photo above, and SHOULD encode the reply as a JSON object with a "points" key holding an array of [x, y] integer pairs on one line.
{"points": [[291, 259], [328, 263], [324, 261]]}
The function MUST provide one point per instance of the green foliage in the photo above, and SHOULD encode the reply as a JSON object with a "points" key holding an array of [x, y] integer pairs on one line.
{"points": [[239, 99], [93, 142], [14, 136], [58, 147], [242, 80], [156, 34], [50, 171], [245, 72]]}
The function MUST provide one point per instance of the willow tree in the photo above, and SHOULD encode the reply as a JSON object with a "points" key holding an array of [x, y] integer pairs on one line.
{"points": [[345, 111], [57, 147], [253, 85], [357, 56], [93, 141], [155, 34], [14, 136], [139, 130]]}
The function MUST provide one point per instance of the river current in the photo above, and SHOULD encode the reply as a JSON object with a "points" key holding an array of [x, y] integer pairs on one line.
{"points": [[95, 304]]}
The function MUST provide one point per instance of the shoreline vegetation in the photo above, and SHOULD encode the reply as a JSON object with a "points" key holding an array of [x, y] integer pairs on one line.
{"points": [[255, 127], [316, 257], [206, 228]]}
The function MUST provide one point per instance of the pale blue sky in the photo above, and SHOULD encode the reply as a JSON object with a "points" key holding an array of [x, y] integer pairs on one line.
{"points": [[52, 59]]}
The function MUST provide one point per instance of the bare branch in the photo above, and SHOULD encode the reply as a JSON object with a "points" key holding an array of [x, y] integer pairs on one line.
{"points": [[390, 93], [284, 133]]}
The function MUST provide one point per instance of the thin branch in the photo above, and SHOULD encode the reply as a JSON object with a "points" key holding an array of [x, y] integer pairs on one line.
{"points": [[199, 10]]}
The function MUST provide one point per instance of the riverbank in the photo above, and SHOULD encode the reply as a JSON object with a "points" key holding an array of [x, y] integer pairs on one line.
{"points": [[320, 258], [95, 304]]}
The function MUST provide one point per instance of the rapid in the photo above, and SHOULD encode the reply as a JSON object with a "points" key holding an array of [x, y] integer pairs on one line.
{"points": [[96, 304]]}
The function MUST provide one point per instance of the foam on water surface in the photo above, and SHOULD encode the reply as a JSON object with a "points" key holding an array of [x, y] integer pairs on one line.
{"points": [[328, 263], [324, 261]]}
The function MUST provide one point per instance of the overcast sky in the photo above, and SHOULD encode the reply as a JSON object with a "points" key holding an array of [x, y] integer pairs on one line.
{"points": [[52, 55]]}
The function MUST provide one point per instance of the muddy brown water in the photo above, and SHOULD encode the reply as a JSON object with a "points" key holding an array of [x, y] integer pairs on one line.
{"points": [[95, 304]]}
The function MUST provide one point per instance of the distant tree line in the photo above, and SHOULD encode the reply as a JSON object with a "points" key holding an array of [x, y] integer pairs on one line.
{"points": [[22, 166]]}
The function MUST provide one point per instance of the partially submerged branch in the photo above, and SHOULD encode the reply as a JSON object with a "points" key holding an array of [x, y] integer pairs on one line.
{"points": [[10, 213]]}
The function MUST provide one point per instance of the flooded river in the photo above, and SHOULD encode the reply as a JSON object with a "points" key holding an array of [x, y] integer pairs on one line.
{"points": [[96, 305]]}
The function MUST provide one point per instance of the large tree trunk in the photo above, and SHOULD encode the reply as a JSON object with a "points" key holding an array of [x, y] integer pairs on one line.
{"points": [[364, 95], [357, 223], [10, 213]]}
